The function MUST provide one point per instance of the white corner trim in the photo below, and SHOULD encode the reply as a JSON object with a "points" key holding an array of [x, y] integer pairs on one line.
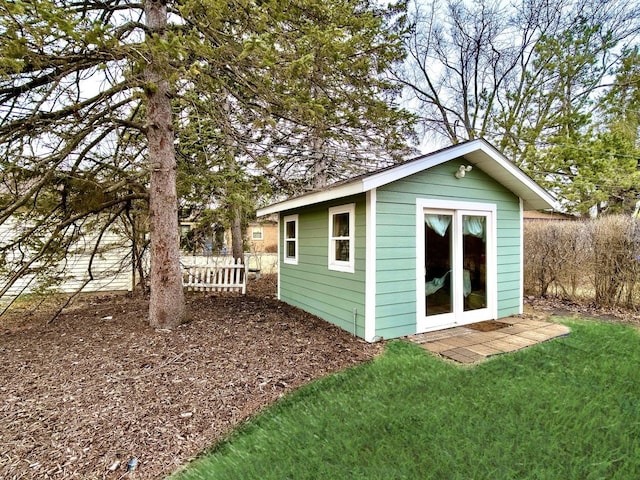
{"points": [[370, 266], [521, 301], [279, 249]]}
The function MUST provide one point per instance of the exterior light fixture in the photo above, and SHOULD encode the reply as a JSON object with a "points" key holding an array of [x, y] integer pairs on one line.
{"points": [[462, 171]]}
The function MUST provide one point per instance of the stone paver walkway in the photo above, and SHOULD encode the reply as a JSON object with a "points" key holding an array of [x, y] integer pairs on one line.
{"points": [[468, 345]]}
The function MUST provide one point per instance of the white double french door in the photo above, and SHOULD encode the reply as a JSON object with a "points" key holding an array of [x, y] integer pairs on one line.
{"points": [[456, 264]]}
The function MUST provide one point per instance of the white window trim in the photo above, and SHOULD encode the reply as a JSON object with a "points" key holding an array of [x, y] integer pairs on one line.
{"points": [[340, 265], [286, 259]]}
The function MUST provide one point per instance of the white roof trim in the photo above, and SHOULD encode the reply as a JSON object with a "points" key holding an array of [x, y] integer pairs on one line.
{"points": [[479, 153], [351, 188], [419, 164]]}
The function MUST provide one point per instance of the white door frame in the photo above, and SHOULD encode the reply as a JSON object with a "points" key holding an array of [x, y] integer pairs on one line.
{"points": [[458, 316]]}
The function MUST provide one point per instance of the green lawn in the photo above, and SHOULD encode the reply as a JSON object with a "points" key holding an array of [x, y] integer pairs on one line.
{"points": [[565, 409]]}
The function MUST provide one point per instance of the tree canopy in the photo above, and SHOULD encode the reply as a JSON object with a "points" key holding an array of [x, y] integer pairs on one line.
{"points": [[96, 98], [532, 77]]}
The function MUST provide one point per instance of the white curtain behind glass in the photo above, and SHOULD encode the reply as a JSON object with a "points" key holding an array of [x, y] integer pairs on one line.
{"points": [[438, 223], [474, 226]]}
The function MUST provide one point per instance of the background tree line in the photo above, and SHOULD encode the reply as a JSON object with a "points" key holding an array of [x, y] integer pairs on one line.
{"points": [[117, 113], [555, 85]]}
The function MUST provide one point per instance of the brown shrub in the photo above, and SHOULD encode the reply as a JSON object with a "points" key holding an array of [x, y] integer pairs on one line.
{"points": [[597, 260], [615, 242]]}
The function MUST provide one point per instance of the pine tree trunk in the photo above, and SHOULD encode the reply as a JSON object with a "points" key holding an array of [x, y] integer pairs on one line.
{"points": [[166, 306], [237, 246]]}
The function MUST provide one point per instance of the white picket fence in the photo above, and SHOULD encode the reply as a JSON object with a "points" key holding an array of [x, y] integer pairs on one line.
{"points": [[226, 275]]}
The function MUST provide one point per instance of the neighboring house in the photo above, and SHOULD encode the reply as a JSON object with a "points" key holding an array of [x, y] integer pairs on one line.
{"points": [[110, 268], [262, 237], [429, 244], [535, 216], [201, 240]]}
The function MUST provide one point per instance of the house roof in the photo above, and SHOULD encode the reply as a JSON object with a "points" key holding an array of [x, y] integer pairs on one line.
{"points": [[479, 153], [536, 215]]}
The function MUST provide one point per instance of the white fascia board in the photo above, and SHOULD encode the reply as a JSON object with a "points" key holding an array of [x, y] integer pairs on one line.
{"points": [[411, 167], [482, 155], [496, 165], [479, 153], [341, 191]]}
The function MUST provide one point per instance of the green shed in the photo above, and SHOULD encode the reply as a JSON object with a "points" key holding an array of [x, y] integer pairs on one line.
{"points": [[432, 243]]}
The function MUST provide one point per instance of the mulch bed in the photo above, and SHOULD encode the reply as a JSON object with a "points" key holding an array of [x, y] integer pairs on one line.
{"points": [[81, 397]]}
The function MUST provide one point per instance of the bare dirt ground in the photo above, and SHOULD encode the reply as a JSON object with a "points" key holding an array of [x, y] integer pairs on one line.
{"points": [[554, 306], [81, 397]]}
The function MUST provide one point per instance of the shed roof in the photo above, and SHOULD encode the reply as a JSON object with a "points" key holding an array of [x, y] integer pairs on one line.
{"points": [[479, 153]]}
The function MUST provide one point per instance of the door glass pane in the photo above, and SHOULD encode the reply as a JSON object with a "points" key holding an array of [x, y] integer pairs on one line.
{"points": [[474, 251], [438, 253]]}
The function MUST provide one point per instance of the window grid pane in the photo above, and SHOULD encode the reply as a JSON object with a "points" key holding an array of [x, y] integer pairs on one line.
{"points": [[291, 248], [341, 238], [290, 241], [342, 250], [291, 230], [341, 225]]}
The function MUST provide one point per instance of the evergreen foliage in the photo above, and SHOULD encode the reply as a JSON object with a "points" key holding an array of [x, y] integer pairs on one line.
{"points": [[293, 91]]}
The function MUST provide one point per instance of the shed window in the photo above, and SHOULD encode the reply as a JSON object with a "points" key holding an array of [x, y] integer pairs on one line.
{"points": [[291, 239], [342, 238]]}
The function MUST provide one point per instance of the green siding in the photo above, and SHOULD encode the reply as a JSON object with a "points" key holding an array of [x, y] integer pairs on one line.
{"points": [[334, 295], [310, 285], [396, 229]]}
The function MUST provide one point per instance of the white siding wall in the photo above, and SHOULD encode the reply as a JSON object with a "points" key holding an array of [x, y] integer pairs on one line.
{"points": [[111, 267]]}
